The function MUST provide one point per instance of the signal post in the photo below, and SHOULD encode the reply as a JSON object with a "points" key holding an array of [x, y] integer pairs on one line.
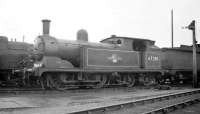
{"points": [[192, 27]]}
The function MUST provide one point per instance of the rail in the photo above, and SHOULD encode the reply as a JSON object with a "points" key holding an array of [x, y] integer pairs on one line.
{"points": [[142, 102]]}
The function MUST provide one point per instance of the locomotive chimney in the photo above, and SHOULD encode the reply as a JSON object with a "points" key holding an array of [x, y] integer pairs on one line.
{"points": [[46, 25], [82, 35]]}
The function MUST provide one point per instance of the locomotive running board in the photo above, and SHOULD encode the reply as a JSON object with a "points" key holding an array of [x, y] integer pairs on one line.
{"points": [[42, 70]]}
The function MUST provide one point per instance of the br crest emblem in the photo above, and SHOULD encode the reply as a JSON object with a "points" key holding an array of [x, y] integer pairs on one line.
{"points": [[115, 58]]}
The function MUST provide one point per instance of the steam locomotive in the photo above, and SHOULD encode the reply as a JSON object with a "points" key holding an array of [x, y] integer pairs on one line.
{"points": [[114, 61], [122, 61], [13, 56]]}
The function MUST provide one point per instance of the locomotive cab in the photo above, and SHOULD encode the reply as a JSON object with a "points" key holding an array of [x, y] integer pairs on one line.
{"points": [[150, 54]]}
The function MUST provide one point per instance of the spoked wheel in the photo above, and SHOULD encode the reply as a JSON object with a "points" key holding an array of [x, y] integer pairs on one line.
{"points": [[149, 80], [130, 80], [46, 82], [101, 81], [59, 82], [43, 82], [49, 81]]}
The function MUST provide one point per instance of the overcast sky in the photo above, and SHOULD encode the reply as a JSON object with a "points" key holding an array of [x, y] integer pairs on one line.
{"points": [[149, 19]]}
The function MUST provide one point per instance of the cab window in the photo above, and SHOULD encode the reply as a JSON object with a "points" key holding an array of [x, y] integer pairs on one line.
{"points": [[139, 45]]}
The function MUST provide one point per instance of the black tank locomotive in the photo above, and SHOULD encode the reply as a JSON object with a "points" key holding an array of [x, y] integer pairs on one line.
{"points": [[114, 61]]}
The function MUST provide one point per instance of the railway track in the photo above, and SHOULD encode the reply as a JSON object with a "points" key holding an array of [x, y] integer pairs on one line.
{"points": [[18, 91], [40, 91], [153, 105]]}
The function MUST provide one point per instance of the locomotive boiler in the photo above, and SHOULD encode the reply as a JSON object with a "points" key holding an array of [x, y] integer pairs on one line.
{"points": [[114, 61], [47, 45]]}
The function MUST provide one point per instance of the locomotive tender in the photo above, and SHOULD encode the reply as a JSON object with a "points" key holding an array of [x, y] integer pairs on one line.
{"points": [[114, 61]]}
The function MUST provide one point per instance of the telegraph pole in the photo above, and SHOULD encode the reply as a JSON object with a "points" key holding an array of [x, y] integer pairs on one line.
{"points": [[192, 27], [172, 28]]}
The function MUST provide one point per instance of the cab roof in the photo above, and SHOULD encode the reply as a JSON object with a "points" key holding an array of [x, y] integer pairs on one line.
{"points": [[129, 38]]}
